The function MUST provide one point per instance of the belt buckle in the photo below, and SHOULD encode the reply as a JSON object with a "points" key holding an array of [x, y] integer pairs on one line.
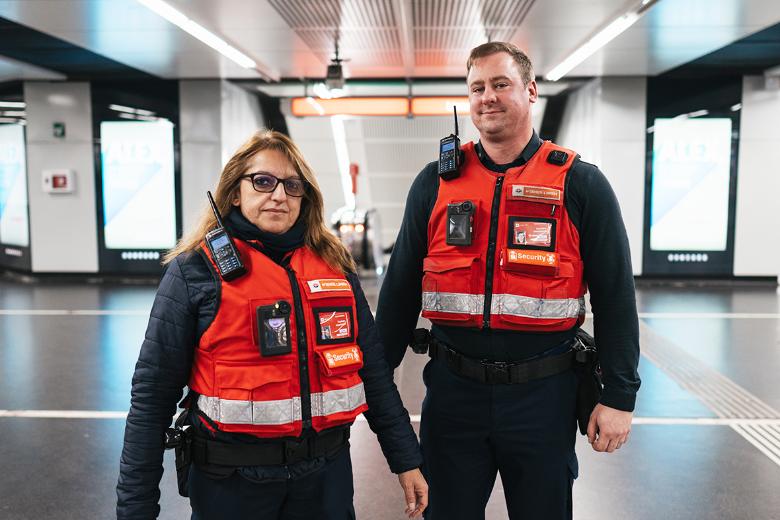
{"points": [[497, 372]]}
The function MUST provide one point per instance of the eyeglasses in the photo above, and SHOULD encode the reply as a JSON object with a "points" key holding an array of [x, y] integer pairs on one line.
{"points": [[266, 183]]}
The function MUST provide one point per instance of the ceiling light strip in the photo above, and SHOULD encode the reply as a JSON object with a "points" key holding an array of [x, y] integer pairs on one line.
{"points": [[611, 31], [181, 20]]}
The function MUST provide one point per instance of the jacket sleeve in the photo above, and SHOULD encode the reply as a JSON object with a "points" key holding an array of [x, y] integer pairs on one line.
{"points": [[400, 299], [607, 258], [161, 372], [386, 414]]}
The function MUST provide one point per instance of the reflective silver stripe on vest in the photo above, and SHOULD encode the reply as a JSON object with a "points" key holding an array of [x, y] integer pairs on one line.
{"points": [[461, 303], [526, 307], [504, 304], [335, 401], [230, 411]]}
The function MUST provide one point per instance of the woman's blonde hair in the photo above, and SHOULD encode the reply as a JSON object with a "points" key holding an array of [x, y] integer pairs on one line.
{"points": [[316, 236]]}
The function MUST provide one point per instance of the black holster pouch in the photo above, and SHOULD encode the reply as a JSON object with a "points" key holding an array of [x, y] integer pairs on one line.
{"points": [[587, 368], [179, 438], [421, 341]]}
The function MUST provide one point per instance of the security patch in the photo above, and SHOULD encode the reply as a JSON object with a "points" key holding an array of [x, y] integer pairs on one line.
{"points": [[540, 258], [342, 357]]}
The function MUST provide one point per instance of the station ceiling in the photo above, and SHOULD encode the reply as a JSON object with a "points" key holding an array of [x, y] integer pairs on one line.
{"points": [[392, 39]]}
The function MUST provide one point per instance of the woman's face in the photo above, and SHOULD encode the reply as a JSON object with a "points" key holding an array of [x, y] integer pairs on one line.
{"points": [[274, 212]]}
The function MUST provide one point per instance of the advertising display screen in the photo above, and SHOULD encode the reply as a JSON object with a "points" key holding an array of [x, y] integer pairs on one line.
{"points": [[14, 224], [139, 206], [689, 204]]}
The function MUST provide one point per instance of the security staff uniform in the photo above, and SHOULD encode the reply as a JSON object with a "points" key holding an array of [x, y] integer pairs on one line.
{"points": [[279, 363], [543, 226]]}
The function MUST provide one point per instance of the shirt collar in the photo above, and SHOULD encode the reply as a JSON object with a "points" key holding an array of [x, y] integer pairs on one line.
{"points": [[530, 149]]}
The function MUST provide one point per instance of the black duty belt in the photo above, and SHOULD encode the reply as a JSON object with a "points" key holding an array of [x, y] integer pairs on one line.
{"points": [[271, 453], [497, 372]]}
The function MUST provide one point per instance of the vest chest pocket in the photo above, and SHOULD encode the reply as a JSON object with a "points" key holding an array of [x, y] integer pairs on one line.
{"points": [[253, 394], [450, 292], [529, 297]]}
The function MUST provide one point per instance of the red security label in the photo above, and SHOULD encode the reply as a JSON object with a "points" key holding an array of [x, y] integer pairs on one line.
{"points": [[342, 357], [529, 233], [328, 285], [535, 193], [335, 325], [519, 256]]}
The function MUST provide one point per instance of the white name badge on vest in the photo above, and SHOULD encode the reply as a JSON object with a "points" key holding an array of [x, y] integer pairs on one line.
{"points": [[328, 285], [530, 193]]}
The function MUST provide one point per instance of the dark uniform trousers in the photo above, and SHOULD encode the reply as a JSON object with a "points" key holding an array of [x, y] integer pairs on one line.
{"points": [[325, 494], [526, 432]]}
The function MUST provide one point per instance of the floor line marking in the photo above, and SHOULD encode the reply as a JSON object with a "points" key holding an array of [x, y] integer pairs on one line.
{"points": [[749, 435], [73, 312], [415, 418], [722, 315]]}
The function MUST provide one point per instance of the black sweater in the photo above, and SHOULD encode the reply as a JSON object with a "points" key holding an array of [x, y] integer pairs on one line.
{"points": [[595, 213], [185, 305]]}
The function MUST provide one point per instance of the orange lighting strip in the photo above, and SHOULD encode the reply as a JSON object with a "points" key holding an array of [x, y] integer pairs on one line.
{"points": [[379, 106], [439, 106], [355, 106]]}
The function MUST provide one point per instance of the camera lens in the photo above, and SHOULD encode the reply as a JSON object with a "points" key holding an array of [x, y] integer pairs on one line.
{"points": [[466, 206]]}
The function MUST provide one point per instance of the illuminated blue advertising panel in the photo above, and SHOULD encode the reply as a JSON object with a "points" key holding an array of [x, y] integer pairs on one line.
{"points": [[14, 217], [14, 224], [689, 201], [138, 184], [692, 150]]}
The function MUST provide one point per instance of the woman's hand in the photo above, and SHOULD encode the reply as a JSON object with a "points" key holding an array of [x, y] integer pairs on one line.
{"points": [[416, 491]]}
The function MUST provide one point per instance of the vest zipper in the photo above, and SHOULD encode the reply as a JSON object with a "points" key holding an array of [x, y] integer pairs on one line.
{"points": [[303, 349], [491, 253]]}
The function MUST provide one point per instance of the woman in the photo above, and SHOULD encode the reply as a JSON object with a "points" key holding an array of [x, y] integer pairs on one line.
{"points": [[279, 361]]}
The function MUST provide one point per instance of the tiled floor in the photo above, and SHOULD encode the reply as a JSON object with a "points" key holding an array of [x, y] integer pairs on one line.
{"points": [[705, 444]]}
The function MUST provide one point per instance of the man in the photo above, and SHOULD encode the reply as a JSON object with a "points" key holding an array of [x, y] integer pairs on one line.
{"points": [[540, 227]]}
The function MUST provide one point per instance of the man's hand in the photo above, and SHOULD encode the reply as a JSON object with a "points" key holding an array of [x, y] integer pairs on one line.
{"points": [[415, 490], [608, 428]]}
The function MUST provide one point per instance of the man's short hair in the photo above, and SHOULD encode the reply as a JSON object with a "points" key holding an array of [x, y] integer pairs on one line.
{"points": [[490, 48]]}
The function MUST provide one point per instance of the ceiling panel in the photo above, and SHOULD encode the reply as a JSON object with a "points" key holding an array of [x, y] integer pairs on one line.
{"points": [[391, 38], [14, 70]]}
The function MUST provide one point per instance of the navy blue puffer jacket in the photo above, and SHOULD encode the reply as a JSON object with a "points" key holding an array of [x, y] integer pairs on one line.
{"points": [[185, 304]]}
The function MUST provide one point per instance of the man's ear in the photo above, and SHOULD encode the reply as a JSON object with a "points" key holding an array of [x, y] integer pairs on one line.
{"points": [[533, 94]]}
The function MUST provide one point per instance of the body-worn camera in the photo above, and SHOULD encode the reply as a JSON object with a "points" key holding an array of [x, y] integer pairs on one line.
{"points": [[273, 329], [460, 223]]}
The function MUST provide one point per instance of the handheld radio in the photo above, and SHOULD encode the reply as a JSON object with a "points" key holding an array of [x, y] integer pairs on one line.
{"points": [[449, 153], [222, 248]]}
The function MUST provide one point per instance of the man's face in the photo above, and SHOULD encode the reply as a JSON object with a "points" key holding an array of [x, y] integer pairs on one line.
{"points": [[500, 102]]}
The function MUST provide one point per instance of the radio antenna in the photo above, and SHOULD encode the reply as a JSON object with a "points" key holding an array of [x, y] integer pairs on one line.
{"points": [[215, 210], [455, 112]]}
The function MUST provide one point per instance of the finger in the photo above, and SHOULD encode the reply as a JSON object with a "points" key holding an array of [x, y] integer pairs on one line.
{"points": [[601, 443], [409, 495], [592, 430], [612, 445]]}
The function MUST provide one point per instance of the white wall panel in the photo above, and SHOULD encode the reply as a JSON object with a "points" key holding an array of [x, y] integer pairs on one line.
{"points": [[604, 122], [201, 145], [240, 116], [757, 235], [63, 227]]}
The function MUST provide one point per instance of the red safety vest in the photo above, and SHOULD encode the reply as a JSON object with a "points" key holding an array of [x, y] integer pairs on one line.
{"points": [[243, 391], [533, 262]]}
